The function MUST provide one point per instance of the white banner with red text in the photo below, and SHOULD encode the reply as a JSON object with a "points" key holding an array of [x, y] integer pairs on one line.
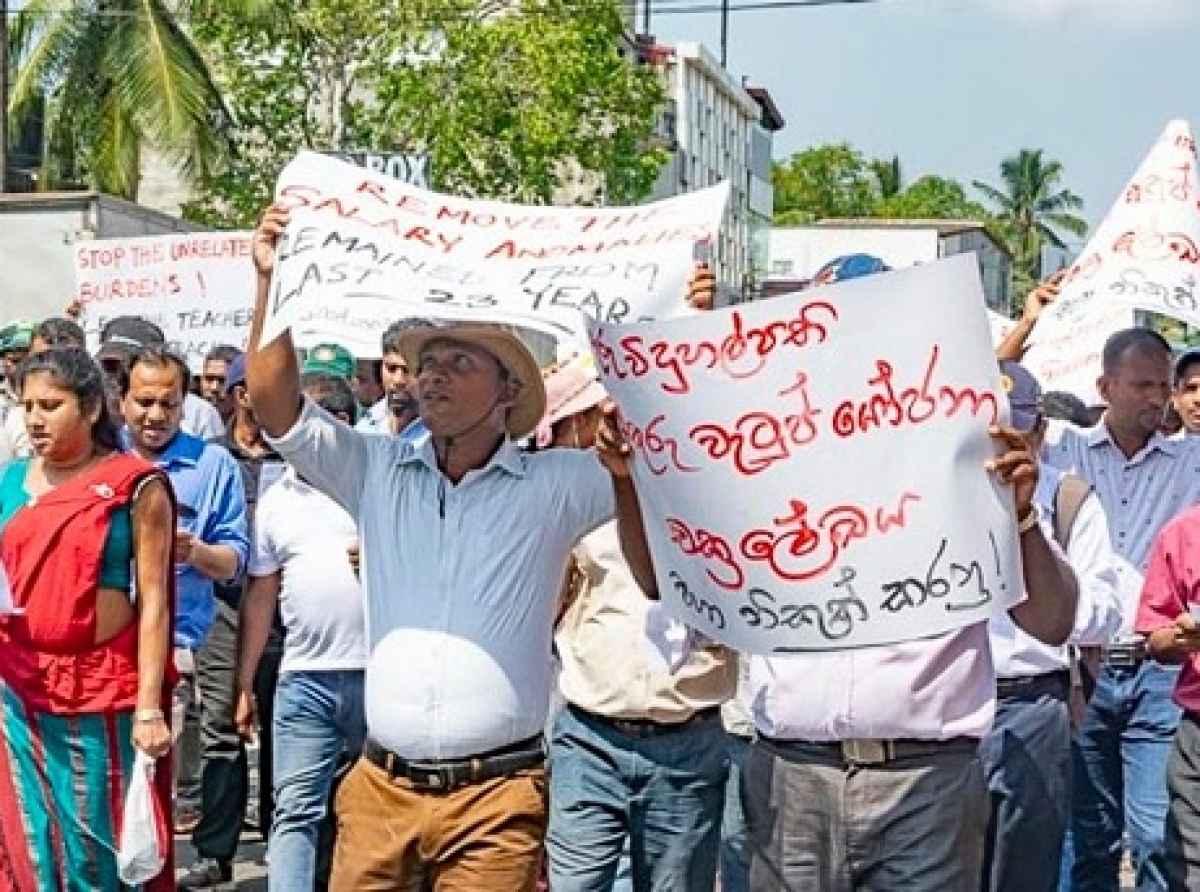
{"points": [[198, 287], [363, 250], [811, 469]]}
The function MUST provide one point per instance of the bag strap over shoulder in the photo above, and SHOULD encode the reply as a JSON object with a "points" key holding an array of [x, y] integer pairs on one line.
{"points": [[1071, 494]]}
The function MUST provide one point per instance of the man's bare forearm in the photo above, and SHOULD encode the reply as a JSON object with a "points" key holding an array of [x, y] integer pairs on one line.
{"points": [[633, 536], [272, 374], [254, 626], [1052, 592]]}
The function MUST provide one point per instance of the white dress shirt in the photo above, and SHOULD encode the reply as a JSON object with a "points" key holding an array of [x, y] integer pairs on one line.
{"points": [[928, 689], [201, 418], [1098, 614], [461, 581], [1138, 495]]}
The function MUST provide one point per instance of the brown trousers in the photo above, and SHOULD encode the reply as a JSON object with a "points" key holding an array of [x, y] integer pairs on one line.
{"points": [[392, 838]]}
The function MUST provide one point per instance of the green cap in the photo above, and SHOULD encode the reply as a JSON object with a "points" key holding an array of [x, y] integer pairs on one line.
{"points": [[330, 359], [16, 336]]}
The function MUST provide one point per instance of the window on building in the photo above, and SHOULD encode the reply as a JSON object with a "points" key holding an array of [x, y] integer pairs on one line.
{"points": [[782, 267]]}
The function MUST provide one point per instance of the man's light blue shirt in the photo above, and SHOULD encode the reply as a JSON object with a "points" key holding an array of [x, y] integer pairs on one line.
{"points": [[212, 507]]}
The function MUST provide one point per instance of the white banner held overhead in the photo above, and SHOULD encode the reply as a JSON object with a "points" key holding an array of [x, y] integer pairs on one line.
{"points": [[198, 287], [1070, 360], [1146, 252], [811, 468], [363, 251]]}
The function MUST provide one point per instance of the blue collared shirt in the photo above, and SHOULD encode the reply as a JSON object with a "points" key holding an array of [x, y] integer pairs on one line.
{"points": [[1139, 494], [212, 506]]}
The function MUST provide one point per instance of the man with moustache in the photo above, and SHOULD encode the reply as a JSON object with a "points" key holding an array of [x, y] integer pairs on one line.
{"points": [[398, 409]]}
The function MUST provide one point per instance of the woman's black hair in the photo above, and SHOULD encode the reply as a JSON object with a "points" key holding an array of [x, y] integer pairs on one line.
{"points": [[73, 370]]}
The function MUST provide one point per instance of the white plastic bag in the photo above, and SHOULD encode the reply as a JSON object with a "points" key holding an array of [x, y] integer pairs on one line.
{"points": [[142, 851]]}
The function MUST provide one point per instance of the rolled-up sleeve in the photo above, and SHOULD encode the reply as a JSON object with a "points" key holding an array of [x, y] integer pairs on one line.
{"points": [[1089, 551], [227, 524], [328, 454], [1164, 591]]}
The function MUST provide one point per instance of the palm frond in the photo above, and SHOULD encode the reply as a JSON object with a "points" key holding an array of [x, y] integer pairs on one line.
{"points": [[47, 39], [116, 156], [1075, 225], [162, 81], [994, 195]]}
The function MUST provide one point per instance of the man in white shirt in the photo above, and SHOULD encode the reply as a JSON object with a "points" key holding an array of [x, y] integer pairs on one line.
{"points": [[1142, 480], [465, 541], [1027, 756], [318, 719], [864, 773]]}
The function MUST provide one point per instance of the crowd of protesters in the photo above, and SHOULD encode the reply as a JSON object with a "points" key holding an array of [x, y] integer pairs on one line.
{"points": [[422, 584]]}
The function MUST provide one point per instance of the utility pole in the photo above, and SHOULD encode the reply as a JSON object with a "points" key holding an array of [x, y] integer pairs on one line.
{"points": [[646, 18], [3, 95], [724, 32]]}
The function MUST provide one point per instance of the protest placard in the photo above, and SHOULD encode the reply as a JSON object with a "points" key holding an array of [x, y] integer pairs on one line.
{"points": [[811, 469], [1145, 254], [1070, 360], [362, 251], [198, 287]]}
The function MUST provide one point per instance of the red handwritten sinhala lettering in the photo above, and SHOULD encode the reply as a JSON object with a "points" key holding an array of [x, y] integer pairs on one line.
{"points": [[1147, 245], [759, 439], [709, 546], [740, 354], [802, 552], [912, 405], [660, 453]]}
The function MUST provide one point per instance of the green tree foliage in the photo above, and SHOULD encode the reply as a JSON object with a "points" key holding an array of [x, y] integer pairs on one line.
{"points": [[823, 181], [296, 77], [889, 179], [510, 105], [508, 101], [933, 198], [116, 76], [1031, 209]]}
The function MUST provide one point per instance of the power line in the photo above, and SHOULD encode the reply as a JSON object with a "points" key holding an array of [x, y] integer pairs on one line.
{"points": [[657, 7]]}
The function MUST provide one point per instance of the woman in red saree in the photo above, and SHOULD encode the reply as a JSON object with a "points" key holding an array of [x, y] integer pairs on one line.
{"points": [[86, 534]]}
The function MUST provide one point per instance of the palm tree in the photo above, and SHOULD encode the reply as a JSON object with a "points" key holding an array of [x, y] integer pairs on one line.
{"points": [[888, 176], [1032, 208], [115, 76]]}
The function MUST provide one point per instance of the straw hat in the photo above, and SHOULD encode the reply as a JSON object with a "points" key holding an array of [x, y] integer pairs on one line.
{"points": [[501, 343]]}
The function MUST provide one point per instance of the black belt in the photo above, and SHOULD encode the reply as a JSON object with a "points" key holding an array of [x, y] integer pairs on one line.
{"points": [[444, 775], [647, 727], [1057, 683], [864, 751]]}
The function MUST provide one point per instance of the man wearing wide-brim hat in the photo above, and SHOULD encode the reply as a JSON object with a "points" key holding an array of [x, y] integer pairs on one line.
{"points": [[465, 539]]}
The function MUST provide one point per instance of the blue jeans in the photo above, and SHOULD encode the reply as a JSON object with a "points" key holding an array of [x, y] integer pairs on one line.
{"points": [[1027, 764], [735, 844], [1120, 777], [318, 717], [664, 793]]}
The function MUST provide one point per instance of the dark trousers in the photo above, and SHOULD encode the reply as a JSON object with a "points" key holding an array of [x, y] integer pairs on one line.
{"points": [[224, 784], [1183, 814], [266, 679], [1027, 764], [916, 824]]}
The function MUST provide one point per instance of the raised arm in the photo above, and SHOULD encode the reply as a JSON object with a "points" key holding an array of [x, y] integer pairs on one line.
{"points": [[1013, 345], [615, 453], [272, 375], [1052, 594]]}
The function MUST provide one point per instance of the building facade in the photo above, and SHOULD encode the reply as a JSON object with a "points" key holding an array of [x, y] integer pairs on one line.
{"points": [[717, 128], [798, 252]]}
